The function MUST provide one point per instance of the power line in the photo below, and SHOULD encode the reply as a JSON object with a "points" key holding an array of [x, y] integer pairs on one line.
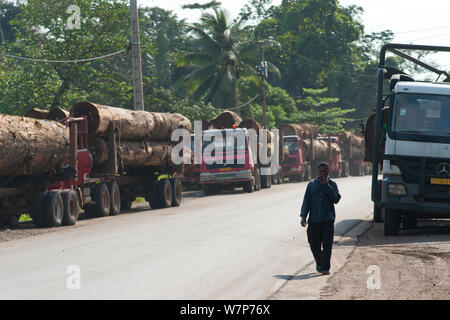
{"points": [[63, 61], [421, 30]]}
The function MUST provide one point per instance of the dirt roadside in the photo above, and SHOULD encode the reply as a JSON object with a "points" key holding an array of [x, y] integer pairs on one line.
{"points": [[366, 265], [413, 265]]}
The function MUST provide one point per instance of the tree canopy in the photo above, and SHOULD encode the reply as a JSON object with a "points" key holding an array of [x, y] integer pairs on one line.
{"points": [[322, 58]]}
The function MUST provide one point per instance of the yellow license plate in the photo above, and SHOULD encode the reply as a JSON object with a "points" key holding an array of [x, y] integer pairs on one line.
{"points": [[224, 169], [440, 181]]}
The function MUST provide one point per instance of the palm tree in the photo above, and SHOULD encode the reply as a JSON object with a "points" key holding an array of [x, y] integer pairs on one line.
{"points": [[217, 60]]}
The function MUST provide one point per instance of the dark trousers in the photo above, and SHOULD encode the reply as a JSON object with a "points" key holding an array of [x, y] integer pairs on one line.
{"points": [[320, 238]]}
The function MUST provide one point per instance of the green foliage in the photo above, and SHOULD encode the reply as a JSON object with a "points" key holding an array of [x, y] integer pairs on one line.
{"points": [[196, 69], [316, 109], [209, 5]]}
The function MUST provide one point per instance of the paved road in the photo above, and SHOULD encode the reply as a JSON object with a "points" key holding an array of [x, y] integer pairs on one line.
{"points": [[228, 246]]}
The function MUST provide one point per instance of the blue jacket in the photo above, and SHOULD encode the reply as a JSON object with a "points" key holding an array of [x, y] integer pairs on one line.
{"points": [[319, 201]]}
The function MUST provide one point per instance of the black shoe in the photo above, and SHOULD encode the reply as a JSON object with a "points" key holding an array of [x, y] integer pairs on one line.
{"points": [[324, 272]]}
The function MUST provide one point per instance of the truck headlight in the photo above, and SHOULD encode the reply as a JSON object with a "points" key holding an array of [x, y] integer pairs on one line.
{"points": [[397, 189]]}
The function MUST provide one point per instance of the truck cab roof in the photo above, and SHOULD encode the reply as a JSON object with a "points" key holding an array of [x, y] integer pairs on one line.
{"points": [[438, 88]]}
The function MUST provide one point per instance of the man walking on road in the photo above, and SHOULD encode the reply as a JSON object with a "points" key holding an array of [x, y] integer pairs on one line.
{"points": [[320, 197]]}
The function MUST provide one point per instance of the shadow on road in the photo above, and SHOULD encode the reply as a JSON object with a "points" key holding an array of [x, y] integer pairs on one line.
{"points": [[344, 226], [299, 277]]}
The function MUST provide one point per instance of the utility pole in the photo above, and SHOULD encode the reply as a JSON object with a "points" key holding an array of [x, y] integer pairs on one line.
{"points": [[137, 62], [263, 72]]}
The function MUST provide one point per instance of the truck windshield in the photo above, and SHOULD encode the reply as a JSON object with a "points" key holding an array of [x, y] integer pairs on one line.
{"points": [[226, 144], [421, 114], [291, 145]]}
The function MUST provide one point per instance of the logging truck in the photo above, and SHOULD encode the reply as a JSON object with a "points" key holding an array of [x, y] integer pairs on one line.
{"points": [[409, 136], [306, 150], [50, 170], [231, 161]]}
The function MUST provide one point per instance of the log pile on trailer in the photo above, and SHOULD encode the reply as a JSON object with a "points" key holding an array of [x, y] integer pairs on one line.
{"points": [[143, 138]]}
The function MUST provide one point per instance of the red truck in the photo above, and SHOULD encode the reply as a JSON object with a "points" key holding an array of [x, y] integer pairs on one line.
{"points": [[305, 155], [243, 171]]}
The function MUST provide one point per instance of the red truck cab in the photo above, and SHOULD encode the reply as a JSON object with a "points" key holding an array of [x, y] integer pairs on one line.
{"points": [[228, 165], [294, 166]]}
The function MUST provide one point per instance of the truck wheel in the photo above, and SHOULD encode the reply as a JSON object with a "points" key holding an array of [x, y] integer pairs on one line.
{"points": [[165, 193], [249, 186], [377, 209], [71, 208], [36, 209], [265, 182], [392, 219], [346, 169], [53, 210], [153, 197], [176, 192], [308, 173], [207, 189], [257, 180], [125, 204], [274, 179], [102, 200], [360, 169], [280, 177], [409, 220], [114, 193]]}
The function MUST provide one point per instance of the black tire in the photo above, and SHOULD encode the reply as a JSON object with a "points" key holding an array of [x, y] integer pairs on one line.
{"points": [[266, 182], [409, 220], [392, 219], [153, 197], [53, 210], [207, 189], [377, 216], [114, 193], [257, 180], [164, 189], [345, 169], [176, 192], [102, 198], [360, 169], [249, 187], [37, 208], [274, 179], [308, 173], [71, 208], [125, 203], [280, 177]]}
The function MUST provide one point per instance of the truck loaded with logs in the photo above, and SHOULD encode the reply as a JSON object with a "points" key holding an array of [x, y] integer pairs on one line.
{"points": [[246, 168], [99, 158], [343, 152]]}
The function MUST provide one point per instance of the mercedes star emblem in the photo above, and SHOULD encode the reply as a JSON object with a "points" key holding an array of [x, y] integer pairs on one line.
{"points": [[443, 170]]}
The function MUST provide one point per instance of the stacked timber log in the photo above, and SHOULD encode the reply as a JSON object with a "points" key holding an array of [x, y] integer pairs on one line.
{"points": [[252, 124], [304, 131], [352, 145], [321, 149], [226, 120], [55, 114], [143, 138], [369, 134], [32, 146]]}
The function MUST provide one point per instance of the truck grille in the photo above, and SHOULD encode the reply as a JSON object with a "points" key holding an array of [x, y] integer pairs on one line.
{"points": [[216, 166]]}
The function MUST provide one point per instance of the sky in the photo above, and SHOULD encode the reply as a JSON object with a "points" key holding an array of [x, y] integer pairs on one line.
{"points": [[412, 21]]}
